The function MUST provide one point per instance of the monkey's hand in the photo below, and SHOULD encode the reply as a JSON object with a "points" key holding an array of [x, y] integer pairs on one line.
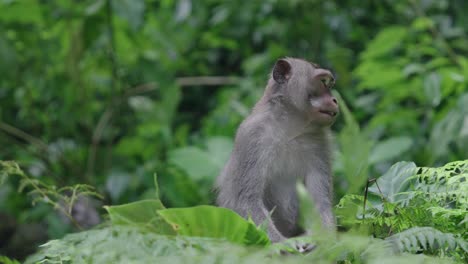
{"points": [[296, 245], [303, 247]]}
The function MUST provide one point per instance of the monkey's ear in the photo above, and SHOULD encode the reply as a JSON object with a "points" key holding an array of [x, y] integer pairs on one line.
{"points": [[282, 71]]}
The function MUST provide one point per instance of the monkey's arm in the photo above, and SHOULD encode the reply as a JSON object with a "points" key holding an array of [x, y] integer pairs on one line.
{"points": [[245, 196], [248, 200], [245, 186], [257, 210], [319, 186]]}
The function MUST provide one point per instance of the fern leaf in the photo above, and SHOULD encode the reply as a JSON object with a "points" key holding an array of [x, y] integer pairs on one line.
{"points": [[427, 238]]}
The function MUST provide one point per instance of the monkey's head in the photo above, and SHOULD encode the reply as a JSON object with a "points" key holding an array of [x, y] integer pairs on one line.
{"points": [[307, 88]]}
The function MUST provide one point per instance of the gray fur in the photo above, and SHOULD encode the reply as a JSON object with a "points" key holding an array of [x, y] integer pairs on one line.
{"points": [[275, 146]]}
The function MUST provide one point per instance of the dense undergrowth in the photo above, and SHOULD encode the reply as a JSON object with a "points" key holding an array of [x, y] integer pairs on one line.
{"points": [[97, 95], [410, 214]]}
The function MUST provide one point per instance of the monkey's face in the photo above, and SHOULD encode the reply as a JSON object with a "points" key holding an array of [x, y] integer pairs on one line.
{"points": [[308, 87], [322, 106]]}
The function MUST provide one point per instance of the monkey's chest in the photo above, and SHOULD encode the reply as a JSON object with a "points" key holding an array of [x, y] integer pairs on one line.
{"points": [[291, 161]]}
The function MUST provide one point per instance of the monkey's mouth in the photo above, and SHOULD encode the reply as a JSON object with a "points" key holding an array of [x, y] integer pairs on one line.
{"points": [[329, 113]]}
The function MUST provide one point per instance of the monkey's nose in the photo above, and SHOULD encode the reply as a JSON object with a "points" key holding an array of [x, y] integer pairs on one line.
{"points": [[334, 100]]}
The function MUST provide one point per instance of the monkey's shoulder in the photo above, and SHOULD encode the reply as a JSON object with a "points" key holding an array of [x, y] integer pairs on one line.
{"points": [[256, 129]]}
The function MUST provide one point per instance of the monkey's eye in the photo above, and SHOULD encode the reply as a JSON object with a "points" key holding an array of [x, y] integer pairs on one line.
{"points": [[312, 94], [328, 82]]}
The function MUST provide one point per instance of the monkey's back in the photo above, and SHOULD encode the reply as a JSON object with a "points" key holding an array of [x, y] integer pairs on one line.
{"points": [[283, 140], [263, 146]]}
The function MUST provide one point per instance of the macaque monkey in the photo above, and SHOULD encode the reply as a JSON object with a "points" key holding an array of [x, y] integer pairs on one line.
{"points": [[286, 138]]}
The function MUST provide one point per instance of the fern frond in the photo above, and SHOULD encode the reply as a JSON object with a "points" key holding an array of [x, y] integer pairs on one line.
{"points": [[448, 183], [427, 239]]}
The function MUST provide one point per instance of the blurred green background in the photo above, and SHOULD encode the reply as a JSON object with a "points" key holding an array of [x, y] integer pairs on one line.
{"points": [[109, 92]]}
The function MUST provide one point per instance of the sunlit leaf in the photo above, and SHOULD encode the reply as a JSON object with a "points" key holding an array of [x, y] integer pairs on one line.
{"points": [[203, 164], [422, 23], [197, 163], [214, 222], [142, 214], [386, 41], [394, 181]]}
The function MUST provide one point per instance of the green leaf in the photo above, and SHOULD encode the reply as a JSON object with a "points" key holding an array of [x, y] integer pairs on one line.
{"points": [[432, 89], [197, 163], [130, 245], [390, 149], [117, 184], [25, 11], [395, 181], [385, 42], [452, 126], [422, 23], [415, 238], [156, 185], [141, 214], [6, 260], [183, 10], [355, 147], [124, 244], [95, 7], [130, 10], [214, 222], [201, 164], [220, 149]]}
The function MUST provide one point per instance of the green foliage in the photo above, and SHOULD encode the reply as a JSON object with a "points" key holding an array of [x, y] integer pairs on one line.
{"points": [[215, 222], [7, 260], [355, 151], [205, 233], [104, 93], [401, 65], [142, 214], [121, 244], [202, 164], [419, 209], [428, 239], [61, 199], [198, 221]]}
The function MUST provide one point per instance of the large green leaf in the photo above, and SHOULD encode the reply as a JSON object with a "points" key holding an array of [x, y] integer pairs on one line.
{"points": [[141, 214], [203, 164], [197, 163], [385, 42], [390, 149], [395, 181], [214, 222]]}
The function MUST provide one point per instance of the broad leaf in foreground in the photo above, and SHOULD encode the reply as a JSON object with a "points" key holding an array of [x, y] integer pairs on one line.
{"points": [[142, 214], [214, 222]]}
